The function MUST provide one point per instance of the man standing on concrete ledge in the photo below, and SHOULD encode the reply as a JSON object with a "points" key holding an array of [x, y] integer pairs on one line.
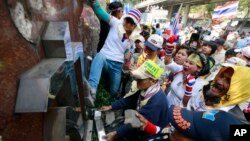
{"points": [[111, 57]]}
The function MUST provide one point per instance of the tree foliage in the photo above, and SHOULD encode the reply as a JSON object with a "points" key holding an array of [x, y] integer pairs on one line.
{"points": [[130, 1], [243, 4], [244, 7], [210, 9]]}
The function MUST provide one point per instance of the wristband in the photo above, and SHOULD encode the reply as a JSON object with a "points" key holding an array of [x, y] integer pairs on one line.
{"points": [[151, 129]]}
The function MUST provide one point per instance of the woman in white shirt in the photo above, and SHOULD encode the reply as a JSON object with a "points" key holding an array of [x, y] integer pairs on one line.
{"points": [[180, 57], [186, 74]]}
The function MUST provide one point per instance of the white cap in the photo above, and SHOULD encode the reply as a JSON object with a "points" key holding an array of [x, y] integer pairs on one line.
{"points": [[234, 61], [154, 42], [148, 69], [246, 51], [141, 73], [237, 50]]}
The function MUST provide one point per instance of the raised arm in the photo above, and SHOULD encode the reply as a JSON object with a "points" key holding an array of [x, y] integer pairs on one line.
{"points": [[189, 89], [100, 12]]}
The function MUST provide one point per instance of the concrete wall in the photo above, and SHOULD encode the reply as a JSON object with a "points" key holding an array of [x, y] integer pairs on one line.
{"points": [[21, 25], [16, 56]]}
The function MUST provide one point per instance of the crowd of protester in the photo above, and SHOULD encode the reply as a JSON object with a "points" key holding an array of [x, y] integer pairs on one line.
{"points": [[190, 86]]}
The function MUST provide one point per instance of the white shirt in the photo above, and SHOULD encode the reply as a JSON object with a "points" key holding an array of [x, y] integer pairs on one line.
{"points": [[113, 48], [197, 102], [219, 57], [176, 94]]}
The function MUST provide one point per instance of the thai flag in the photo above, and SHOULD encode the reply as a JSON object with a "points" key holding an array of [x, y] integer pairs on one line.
{"points": [[175, 23], [228, 10]]}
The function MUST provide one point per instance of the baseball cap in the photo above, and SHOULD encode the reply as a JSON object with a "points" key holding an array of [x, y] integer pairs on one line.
{"points": [[234, 61], [202, 126], [154, 42], [148, 69], [246, 51], [237, 50]]}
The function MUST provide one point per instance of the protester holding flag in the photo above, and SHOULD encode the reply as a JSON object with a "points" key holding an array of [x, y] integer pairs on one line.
{"points": [[186, 81]]}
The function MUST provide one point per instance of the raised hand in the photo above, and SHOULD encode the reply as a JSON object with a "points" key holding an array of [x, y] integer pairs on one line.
{"points": [[188, 90], [189, 86]]}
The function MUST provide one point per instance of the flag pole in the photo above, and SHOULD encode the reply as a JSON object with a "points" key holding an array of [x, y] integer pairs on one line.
{"points": [[175, 23]]}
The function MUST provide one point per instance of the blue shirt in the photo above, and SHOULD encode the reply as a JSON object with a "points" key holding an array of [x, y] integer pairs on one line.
{"points": [[155, 111]]}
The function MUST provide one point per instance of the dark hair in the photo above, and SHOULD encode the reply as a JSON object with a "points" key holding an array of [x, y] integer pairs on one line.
{"points": [[188, 50], [145, 27], [207, 63], [153, 30], [137, 41], [210, 62], [194, 37], [157, 25], [114, 6], [212, 45], [202, 57], [231, 52], [129, 20], [242, 35]]}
